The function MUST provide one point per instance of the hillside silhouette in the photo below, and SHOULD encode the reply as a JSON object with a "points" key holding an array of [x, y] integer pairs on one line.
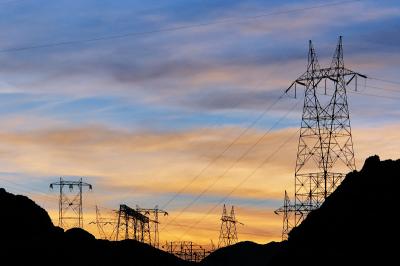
{"points": [[356, 225], [243, 253], [28, 237]]}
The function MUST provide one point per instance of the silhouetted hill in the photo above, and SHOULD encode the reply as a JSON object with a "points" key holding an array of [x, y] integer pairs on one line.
{"points": [[28, 237], [18, 211], [356, 225], [243, 254]]}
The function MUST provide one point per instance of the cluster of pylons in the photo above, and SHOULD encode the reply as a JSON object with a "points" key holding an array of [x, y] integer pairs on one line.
{"points": [[140, 224], [325, 153]]}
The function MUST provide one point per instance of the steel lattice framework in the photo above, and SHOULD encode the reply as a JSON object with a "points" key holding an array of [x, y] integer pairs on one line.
{"points": [[286, 210], [152, 214], [325, 148], [186, 250], [105, 226], [131, 224], [228, 231], [70, 212]]}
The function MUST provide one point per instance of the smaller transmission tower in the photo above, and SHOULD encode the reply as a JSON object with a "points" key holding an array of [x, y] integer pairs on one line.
{"points": [[286, 210], [131, 224], [228, 232], [187, 250], [105, 226], [70, 213], [152, 214]]}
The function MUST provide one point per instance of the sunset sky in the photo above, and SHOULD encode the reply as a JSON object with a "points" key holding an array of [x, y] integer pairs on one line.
{"points": [[143, 99]]}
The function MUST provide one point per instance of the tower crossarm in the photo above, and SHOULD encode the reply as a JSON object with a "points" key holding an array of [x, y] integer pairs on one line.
{"points": [[324, 73], [70, 183]]}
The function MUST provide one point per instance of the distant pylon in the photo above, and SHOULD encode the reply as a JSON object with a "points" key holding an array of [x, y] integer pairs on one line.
{"points": [[325, 150], [152, 214], [286, 210], [228, 232], [131, 224], [70, 212], [106, 226]]}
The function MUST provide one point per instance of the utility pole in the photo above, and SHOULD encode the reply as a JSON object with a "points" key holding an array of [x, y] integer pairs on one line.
{"points": [[325, 149], [228, 232], [70, 211]]}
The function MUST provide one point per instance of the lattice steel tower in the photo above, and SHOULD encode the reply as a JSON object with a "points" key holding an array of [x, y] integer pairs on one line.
{"points": [[286, 210], [70, 213], [152, 214], [228, 232], [325, 149], [131, 224]]}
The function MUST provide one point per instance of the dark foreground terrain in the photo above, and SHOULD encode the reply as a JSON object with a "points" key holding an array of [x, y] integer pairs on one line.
{"points": [[356, 225]]}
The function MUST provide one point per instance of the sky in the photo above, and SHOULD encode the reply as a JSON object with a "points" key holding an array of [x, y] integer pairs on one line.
{"points": [[174, 103]]}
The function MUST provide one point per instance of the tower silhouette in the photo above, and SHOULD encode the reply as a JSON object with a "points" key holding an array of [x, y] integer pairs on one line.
{"points": [[325, 148], [131, 224], [228, 232], [152, 214], [286, 210], [70, 211]]}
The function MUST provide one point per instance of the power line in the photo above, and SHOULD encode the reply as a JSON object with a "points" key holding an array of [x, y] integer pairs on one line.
{"points": [[376, 95], [380, 88], [240, 184], [259, 233], [244, 131], [172, 29], [243, 155], [385, 80]]}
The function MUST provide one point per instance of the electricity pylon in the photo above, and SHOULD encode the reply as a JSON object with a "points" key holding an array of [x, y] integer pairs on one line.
{"points": [[131, 224], [105, 226], [186, 250], [286, 210], [228, 232], [152, 214], [325, 149], [70, 213]]}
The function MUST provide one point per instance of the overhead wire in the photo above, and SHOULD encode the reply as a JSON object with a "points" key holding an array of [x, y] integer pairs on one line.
{"points": [[241, 157], [233, 142], [172, 29], [221, 201], [240, 184]]}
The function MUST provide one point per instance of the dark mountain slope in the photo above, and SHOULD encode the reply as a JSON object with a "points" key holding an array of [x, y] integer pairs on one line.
{"points": [[356, 225], [243, 254], [28, 237]]}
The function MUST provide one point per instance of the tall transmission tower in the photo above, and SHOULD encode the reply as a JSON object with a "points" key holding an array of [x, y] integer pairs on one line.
{"points": [[228, 232], [131, 224], [152, 214], [325, 149], [70, 212]]}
